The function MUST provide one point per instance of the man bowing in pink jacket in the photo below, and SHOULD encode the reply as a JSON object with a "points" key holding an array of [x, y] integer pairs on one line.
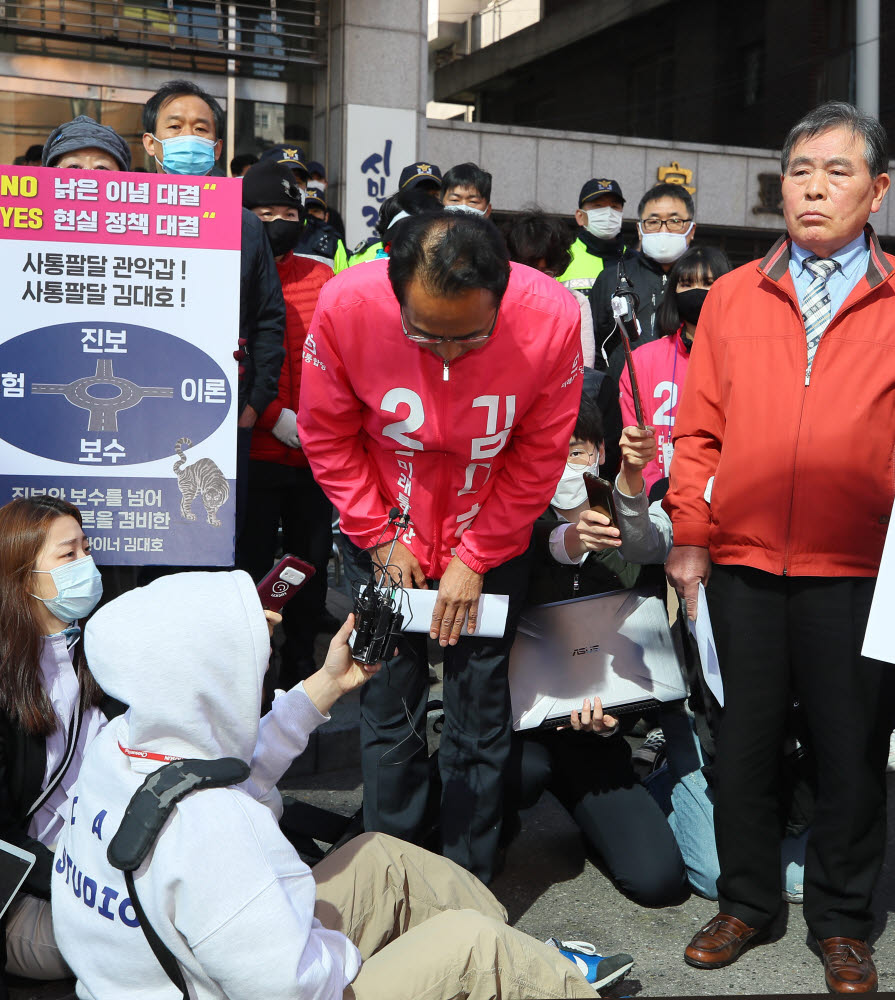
{"points": [[445, 382]]}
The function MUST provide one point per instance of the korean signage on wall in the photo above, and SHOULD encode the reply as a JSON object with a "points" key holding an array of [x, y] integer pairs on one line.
{"points": [[380, 142], [117, 378]]}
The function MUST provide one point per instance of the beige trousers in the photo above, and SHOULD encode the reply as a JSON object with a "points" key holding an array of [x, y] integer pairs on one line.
{"points": [[428, 930], [30, 944]]}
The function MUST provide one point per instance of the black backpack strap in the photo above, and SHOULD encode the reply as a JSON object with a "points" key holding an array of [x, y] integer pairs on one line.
{"points": [[153, 801], [166, 959], [146, 813]]}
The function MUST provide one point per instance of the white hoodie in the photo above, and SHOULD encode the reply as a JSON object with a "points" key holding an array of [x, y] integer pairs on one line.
{"points": [[223, 888]]}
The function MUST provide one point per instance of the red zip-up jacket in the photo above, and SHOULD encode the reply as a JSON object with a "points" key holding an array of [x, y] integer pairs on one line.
{"points": [[473, 449], [302, 279], [804, 475]]}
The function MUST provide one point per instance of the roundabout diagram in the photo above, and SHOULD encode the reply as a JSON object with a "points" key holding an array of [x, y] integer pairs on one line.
{"points": [[103, 411], [129, 403]]}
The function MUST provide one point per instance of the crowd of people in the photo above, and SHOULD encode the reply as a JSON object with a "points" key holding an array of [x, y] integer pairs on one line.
{"points": [[443, 391]]}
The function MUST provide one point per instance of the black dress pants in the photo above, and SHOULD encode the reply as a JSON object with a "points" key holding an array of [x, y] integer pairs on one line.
{"points": [[475, 742], [778, 638], [289, 495], [594, 780]]}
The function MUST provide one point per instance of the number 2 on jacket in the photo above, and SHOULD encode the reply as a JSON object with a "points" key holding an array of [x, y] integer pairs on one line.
{"points": [[412, 422]]}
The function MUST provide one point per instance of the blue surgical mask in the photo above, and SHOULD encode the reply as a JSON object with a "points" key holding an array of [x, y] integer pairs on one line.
{"points": [[79, 588], [186, 154]]}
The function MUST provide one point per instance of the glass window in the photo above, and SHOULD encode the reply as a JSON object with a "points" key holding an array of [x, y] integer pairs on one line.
{"points": [[260, 125], [28, 119], [271, 42]]}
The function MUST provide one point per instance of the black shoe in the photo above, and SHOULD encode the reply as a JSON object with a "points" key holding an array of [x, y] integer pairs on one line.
{"points": [[648, 751]]}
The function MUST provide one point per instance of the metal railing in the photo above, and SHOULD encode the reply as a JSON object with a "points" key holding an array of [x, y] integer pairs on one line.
{"points": [[271, 31]]}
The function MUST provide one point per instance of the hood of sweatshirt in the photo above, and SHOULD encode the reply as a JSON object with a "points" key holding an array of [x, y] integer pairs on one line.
{"points": [[187, 654]]}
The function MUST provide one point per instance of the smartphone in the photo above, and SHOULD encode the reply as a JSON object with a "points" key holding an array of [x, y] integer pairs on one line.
{"points": [[600, 498], [283, 582]]}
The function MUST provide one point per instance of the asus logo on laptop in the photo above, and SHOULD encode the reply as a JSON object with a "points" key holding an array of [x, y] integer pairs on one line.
{"points": [[585, 649]]}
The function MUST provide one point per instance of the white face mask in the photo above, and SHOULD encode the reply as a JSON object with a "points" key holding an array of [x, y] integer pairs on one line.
{"points": [[570, 490], [605, 223], [663, 247], [458, 207], [79, 587]]}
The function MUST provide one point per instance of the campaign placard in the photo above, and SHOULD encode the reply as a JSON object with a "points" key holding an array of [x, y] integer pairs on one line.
{"points": [[118, 386]]}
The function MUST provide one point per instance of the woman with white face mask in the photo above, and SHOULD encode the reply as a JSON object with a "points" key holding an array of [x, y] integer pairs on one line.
{"points": [[50, 705]]}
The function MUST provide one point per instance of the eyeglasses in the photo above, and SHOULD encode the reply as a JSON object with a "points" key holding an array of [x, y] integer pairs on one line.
{"points": [[425, 338], [579, 453], [674, 225]]}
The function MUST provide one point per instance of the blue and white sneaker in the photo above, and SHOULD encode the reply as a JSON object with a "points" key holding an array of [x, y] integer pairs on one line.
{"points": [[600, 971]]}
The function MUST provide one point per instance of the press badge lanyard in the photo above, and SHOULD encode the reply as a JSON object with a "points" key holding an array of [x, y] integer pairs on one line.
{"points": [[164, 758]]}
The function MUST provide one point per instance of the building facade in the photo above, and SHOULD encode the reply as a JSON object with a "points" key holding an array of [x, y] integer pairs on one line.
{"points": [[104, 58], [543, 93], [697, 93]]}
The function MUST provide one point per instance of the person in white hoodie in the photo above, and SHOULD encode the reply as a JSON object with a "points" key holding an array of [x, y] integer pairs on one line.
{"points": [[222, 888]]}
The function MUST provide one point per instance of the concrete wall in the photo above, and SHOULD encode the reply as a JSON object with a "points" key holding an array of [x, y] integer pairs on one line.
{"points": [[547, 168], [377, 56]]}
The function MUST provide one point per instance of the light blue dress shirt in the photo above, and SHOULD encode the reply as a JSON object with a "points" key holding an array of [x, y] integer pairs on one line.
{"points": [[852, 260]]}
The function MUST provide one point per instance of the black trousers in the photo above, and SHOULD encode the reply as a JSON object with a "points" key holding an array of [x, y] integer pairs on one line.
{"points": [[594, 781], [779, 638], [285, 494], [475, 742]]}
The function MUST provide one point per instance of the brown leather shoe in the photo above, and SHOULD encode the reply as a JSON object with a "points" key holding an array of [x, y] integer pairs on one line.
{"points": [[720, 942], [848, 965]]}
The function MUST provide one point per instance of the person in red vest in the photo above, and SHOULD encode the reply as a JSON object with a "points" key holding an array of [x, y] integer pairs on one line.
{"points": [[282, 489]]}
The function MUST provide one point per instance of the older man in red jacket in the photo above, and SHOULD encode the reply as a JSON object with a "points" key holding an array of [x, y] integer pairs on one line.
{"points": [[783, 479], [443, 382], [281, 488]]}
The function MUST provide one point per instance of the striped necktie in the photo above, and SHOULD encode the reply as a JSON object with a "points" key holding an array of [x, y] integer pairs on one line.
{"points": [[816, 311]]}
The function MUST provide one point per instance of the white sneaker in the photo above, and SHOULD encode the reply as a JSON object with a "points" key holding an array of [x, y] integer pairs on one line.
{"points": [[891, 765]]}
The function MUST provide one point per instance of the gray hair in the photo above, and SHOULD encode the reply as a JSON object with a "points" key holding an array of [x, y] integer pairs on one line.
{"points": [[838, 114]]}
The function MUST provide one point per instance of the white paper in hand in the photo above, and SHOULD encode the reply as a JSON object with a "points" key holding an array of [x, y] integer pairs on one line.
{"points": [[879, 639], [492, 620], [701, 630]]}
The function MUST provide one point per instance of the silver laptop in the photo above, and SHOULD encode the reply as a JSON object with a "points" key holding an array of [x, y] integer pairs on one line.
{"points": [[15, 863], [616, 646]]}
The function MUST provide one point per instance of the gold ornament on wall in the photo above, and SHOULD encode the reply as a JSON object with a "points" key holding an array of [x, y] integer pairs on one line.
{"points": [[674, 173]]}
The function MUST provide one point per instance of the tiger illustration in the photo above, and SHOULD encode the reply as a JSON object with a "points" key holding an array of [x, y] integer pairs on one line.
{"points": [[202, 478]]}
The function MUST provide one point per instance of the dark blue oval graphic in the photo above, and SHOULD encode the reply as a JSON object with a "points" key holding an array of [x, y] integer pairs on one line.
{"points": [[107, 393]]}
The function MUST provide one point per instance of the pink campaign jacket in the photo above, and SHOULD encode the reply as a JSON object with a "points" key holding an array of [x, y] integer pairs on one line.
{"points": [[473, 449], [660, 367]]}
